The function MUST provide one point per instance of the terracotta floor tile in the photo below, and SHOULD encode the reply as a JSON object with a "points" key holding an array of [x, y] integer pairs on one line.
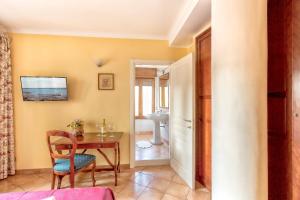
{"points": [[178, 179], [178, 190], [159, 184], [46, 176], [198, 194], [149, 194], [143, 183], [136, 169], [123, 197], [142, 179], [131, 190], [6, 186], [163, 171], [168, 175], [103, 174], [153, 170], [84, 184], [35, 185], [126, 174], [170, 197], [22, 179], [154, 152], [111, 184], [136, 174]]}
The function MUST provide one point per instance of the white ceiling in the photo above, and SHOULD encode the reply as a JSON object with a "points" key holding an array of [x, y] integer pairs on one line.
{"points": [[140, 19], [193, 20]]}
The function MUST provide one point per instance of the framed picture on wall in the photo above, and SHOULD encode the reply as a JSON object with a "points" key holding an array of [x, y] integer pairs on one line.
{"points": [[106, 81]]}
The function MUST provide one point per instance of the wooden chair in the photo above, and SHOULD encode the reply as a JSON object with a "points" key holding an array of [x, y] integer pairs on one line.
{"points": [[71, 163]]}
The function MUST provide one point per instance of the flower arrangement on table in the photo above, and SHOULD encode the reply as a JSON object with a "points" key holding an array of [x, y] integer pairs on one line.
{"points": [[77, 127]]}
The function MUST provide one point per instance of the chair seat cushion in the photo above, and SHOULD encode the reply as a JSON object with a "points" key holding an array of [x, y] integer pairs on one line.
{"points": [[80, 161]]}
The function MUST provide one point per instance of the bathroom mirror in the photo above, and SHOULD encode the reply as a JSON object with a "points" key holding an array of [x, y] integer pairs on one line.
{"points": [[164, 91]]}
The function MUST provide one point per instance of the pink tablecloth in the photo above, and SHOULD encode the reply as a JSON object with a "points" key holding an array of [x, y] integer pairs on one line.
{"points": [[97, 193]]}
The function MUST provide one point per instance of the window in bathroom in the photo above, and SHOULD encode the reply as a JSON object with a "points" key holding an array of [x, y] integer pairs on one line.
{"points": [[166, 96], [164, 93], [147, 100], [144, 97], [137, 91]]}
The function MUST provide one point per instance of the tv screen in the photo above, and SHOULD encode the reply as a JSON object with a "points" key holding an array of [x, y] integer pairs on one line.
{"points": [[39, 88]]}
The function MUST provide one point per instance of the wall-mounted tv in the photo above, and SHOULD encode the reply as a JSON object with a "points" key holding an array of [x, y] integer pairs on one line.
{"points": [[42, 88]]}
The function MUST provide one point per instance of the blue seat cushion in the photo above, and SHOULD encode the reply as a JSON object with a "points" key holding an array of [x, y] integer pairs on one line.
{"points": [[80, 161]]}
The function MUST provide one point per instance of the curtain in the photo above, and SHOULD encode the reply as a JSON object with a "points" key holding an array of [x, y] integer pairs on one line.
{"points": [[7, 147]]}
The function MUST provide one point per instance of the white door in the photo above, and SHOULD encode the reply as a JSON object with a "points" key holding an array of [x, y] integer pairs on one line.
{"points": [[182, 134]]}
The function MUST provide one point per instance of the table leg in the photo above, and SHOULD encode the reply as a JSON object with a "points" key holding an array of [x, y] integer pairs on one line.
{"points": [[118, 157], [115, 166], [106, 158]]}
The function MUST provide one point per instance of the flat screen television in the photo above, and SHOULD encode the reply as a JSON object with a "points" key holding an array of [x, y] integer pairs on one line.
{"points": [[42, 88]]}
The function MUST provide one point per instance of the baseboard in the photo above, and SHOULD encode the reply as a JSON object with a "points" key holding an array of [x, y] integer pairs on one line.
{"points": [[140, 163], [185, 173], [33, 171], [49, 170]]}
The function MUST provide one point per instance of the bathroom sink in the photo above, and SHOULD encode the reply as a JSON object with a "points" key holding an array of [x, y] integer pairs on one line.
{"points": [[157, 118]]}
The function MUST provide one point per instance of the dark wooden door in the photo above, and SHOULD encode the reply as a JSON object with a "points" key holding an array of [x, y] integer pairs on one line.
{"points": [[279, 101], [203, 109], [295, 15]]}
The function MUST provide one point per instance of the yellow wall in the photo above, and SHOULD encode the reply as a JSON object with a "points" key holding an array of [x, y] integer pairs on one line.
{"points": [[192, 48], [74, 57]]}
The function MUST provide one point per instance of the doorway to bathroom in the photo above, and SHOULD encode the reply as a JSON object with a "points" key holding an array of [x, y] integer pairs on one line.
{"points": [[150, 86]]}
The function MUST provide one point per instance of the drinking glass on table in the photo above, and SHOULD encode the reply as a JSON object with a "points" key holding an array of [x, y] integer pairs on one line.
{"points": [[110, 127], [100, 129]]}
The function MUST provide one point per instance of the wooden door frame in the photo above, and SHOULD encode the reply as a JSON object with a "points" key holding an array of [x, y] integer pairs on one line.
{"points": [[201, 36], [132, 64]]}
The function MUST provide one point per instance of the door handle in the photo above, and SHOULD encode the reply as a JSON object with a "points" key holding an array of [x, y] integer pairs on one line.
{"points": [[186, 120]]}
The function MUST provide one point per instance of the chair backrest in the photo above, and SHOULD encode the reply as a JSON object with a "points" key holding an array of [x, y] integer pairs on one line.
{"points": [[72, 151]]}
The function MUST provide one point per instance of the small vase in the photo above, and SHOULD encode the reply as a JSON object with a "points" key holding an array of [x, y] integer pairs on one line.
{"points": [[78, 131]]}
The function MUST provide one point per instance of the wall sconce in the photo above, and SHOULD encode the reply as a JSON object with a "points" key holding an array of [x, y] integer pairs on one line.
{"points": [[99, 62]]}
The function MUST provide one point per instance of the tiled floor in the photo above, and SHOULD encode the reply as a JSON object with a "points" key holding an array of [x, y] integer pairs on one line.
{"points": [[143, 183], [153, 153]]}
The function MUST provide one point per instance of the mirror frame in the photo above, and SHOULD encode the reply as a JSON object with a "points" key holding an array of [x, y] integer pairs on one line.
{"points": [[164, 77]]}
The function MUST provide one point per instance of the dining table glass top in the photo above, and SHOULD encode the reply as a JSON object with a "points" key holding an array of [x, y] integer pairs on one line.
{"points": [[92, 137]]}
